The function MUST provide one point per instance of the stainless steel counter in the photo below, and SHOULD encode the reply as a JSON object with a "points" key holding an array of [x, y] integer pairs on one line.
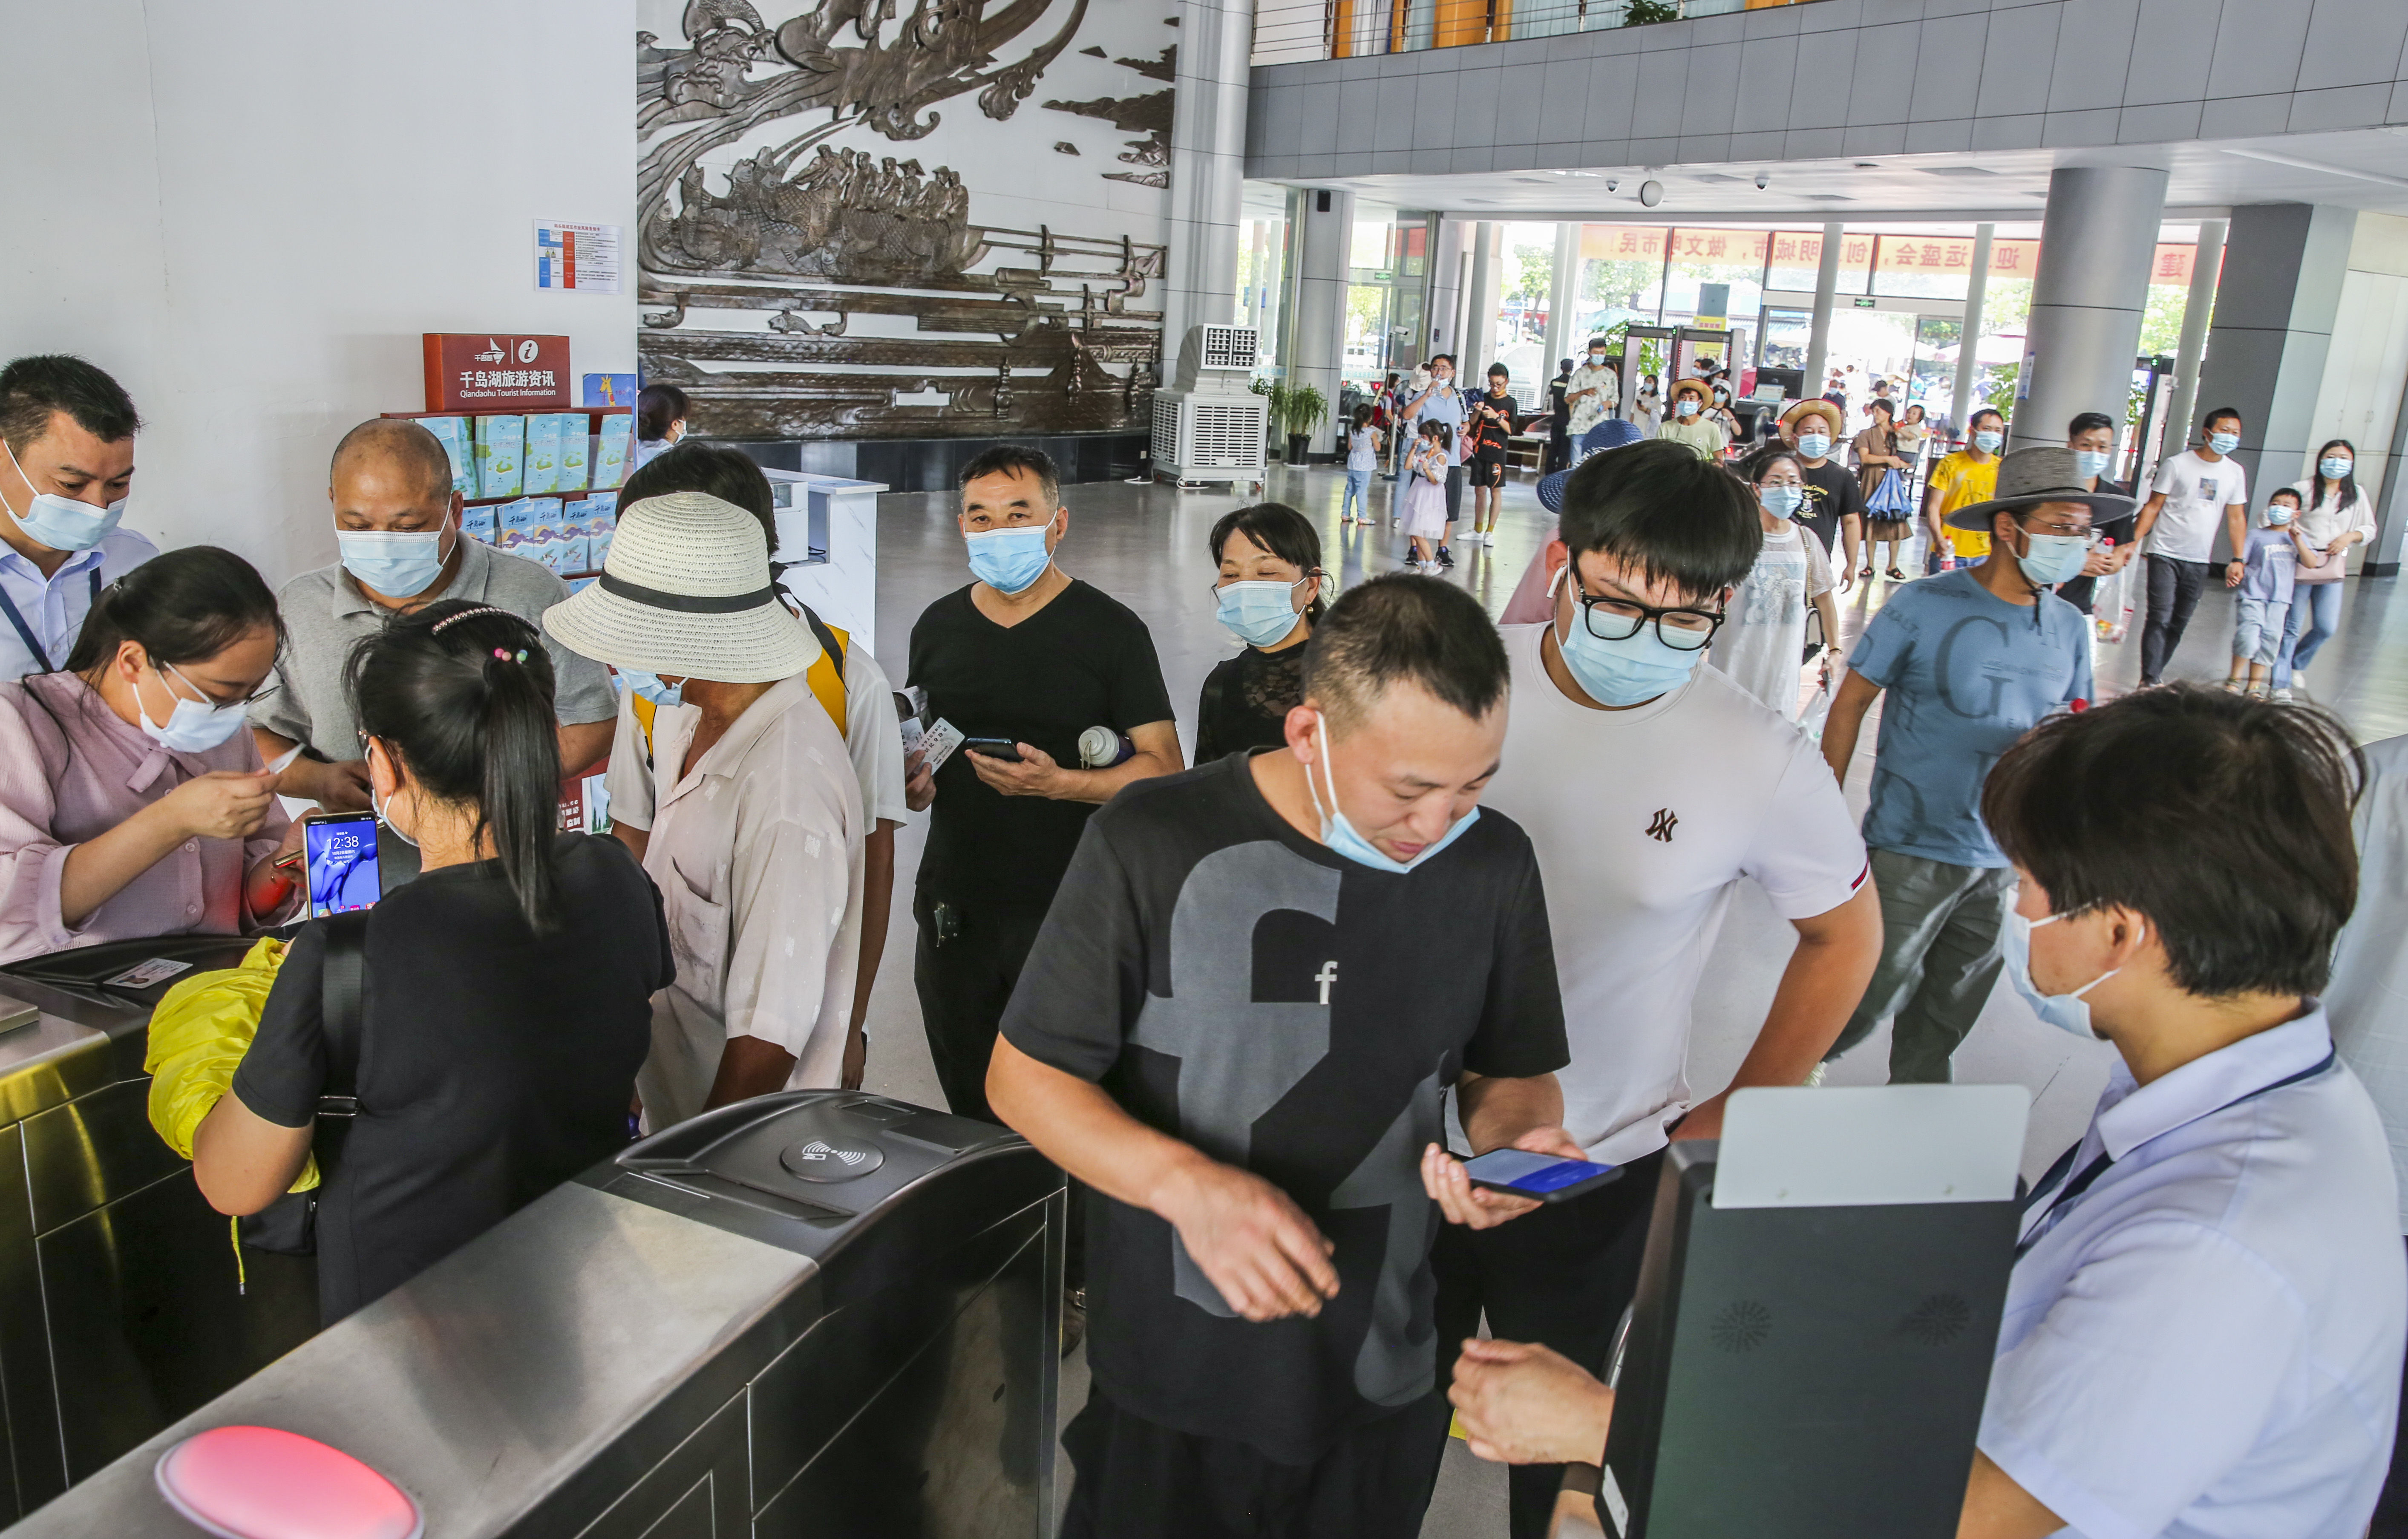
{"points": [[119, 1309], [692, 1341]]}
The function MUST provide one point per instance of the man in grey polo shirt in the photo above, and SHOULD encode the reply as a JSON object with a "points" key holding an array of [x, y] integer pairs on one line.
{"points": [[397, 523]]}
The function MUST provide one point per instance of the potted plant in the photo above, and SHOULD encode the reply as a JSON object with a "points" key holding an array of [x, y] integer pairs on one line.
{"points": [[1300, 408], [1274, 393]]}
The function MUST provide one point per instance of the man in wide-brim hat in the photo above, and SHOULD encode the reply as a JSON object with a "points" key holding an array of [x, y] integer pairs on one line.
{"points": [[1972, 658]]}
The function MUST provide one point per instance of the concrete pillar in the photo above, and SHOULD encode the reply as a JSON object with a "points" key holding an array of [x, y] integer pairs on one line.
{"points": [[2204, 265], [1818, 336], [1208, 167], [1563, 297], [2098, 241], [2382, 559], [1969, 334], [1444, 317], [2266, 348], [1480, 330], [1320, 323]]}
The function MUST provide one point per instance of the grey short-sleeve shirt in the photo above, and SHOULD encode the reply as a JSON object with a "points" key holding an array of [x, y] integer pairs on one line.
{"points": [[326, 613]]}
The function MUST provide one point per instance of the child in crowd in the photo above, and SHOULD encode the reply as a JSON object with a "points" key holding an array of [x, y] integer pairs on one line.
{"points": [[1425, 514], [1362, 458], [2269, 566]]}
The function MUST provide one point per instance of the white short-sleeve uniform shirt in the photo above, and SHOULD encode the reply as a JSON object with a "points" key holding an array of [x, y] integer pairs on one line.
{"points": [[2205, 1343], [1645, 821], [2197, 493]]}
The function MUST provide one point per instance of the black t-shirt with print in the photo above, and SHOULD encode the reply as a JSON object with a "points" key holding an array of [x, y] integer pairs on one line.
{"points": [[493, 1063], [1237, 986], [1084, 660], [1832, 492], [1246, 700]]}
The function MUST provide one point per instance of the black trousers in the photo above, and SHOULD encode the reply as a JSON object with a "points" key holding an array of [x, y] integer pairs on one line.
{"points": [[2391, 1509], [1453, 491], [964, 981], [1560, 1276], [2174, 588], [1137, 1479]]}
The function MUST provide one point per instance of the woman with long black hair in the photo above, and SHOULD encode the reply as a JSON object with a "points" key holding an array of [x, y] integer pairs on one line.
{"points": [[132, 803], [2334, 514], [505, 994]]}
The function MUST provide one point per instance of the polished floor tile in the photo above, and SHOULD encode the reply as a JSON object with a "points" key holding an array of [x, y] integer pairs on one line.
{"points": [[1145, 545]]}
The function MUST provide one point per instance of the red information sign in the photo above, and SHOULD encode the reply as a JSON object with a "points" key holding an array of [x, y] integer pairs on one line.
{"points": [[484, 371]]}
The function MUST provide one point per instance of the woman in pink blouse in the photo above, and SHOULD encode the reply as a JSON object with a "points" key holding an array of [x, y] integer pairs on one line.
{"points": [[131, 802]]}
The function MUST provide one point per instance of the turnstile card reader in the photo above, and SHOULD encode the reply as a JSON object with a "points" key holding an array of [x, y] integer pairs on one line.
{"points": [[1814, 1368], [696, 1340]]}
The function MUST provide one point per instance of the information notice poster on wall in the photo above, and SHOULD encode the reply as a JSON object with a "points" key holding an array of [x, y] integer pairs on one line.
{"points": [[584, 257]]}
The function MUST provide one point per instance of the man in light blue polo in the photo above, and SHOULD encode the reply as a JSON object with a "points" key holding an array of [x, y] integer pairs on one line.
{"points": [[1966, 663], [67, 430]]}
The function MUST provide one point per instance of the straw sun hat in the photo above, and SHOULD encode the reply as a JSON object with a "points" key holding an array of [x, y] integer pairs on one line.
{"points": [[685, 592]]}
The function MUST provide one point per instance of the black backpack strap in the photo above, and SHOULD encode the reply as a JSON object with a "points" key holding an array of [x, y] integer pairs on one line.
{"points": [[341, 985], [826, 638]]}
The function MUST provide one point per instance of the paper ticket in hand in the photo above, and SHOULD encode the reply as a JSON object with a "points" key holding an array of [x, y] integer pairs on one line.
{"points": [[939, 743]]}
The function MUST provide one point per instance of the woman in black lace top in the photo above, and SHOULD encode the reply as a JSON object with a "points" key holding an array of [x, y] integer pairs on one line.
{"points": [[1269, 594]]}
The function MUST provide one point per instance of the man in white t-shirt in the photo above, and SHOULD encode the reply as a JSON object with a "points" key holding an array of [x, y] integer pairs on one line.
{"points": [[1650, 787], [2176, 531]]}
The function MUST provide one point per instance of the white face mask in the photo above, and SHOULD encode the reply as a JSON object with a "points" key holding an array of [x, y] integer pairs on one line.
{"points": [[193, 726], [2069, 1012]]}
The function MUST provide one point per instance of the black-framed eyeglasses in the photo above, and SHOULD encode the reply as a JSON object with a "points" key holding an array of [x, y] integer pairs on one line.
{"points": [[1682, 628]]}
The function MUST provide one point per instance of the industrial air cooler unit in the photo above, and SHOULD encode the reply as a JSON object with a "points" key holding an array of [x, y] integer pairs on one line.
{"points": [[1209, 426]]}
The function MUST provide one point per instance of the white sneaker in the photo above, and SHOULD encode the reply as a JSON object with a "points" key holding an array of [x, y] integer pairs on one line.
{"points": [[2281, 694]]}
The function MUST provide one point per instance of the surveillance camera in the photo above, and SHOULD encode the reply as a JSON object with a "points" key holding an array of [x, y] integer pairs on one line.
{"points": [[1762, 181], [1612, 182], [1651, 193]]}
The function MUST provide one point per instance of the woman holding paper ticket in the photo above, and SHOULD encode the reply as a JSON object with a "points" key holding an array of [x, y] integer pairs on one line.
{"points": [[132, 803]]}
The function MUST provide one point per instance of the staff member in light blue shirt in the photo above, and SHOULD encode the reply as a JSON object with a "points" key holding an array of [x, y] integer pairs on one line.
{"points": [[1967, 661], [2203, 1328], [68, 432]]}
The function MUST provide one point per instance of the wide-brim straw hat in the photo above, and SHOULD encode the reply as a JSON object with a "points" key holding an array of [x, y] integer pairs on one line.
{"points": [[1814, 406], [2029, 477], [685, 592], [1705, 388]]}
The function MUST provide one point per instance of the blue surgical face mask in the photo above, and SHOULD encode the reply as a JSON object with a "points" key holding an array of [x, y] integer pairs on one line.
{"points": [[1628, 673], [2050, 559], [1815, 445], [193, 726], [1258, 612], [1339, 836], [1781, 501], [649, 686], [2065, 1011], [1988, 441], [2090, 463], [2224, 443], [1684, 407], [2277, 515], [63, 523], [1009, 559], [397, 563], [2335, 466]]}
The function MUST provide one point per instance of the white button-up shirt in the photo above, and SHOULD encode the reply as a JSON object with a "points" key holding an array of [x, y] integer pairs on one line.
{"points": [[756, 850], [2206, 1343], [2367, 996], [53, 608]]}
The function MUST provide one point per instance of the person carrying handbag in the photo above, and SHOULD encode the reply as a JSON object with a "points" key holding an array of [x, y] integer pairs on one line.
{"points": [[503, 998], [1890, 503]]}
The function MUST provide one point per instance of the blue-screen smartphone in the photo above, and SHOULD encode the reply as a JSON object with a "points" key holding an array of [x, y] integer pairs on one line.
{"points": [[340, 851], [1550, 1178]]}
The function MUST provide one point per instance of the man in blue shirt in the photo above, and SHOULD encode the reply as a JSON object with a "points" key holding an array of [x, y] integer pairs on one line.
{"points": [[67, 430], [1969, 660], [1442, 402]]}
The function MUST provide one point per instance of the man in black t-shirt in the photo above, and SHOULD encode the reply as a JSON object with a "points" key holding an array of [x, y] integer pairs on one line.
{"points": [[1835, 501], [1028, 654], [1237, 1028], [2092, 436]]}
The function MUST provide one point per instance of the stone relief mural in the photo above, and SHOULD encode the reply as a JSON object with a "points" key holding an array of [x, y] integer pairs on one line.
{"points": [[853, 223]]}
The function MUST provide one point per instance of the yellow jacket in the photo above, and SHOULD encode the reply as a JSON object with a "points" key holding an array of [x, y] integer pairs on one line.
{"points": [[198, 1035]]}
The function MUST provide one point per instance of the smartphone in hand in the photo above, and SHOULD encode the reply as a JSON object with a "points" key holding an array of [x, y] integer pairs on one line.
{"points": [[994, 748], [1549, 1178]]}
